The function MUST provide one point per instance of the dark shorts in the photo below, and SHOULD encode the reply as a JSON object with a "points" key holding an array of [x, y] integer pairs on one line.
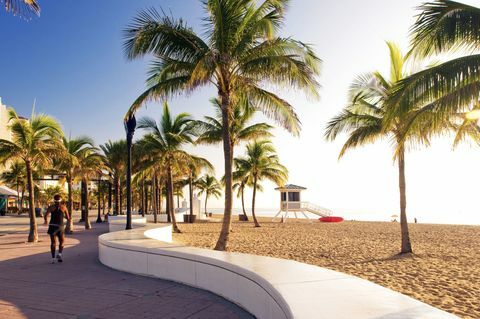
{"points": [[55, 230]]}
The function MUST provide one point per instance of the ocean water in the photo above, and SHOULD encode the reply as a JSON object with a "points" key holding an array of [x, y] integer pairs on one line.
{"points": [[363, 216]]}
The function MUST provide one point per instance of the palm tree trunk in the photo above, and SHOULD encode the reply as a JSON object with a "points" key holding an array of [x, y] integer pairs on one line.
{"points": [[117, 195], [142, 201], [146, 199], [222, 243], [253, 202], [170, 200], [18, 195], [190, 196], [109, 196], [99, 196], [120, 195], [69, 228], [85, 204], [154, 198], [243, 202], [33, 233], [167, 202], [406, 245], [206, 200]]}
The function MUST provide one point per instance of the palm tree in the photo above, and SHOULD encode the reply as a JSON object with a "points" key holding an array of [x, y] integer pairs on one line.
{"points": [[15, 177], [240, 53], [261, 163], [364, 121], [451, 87], [115, 157], [240, 131], [35, 142], [90, 165], [51, 191], [74, 150], [242, 181], [195, 166], [164, 142], [23, 8], [209, 185]]}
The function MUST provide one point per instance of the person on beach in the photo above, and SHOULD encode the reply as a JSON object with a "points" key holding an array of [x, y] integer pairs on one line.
{"points": [[56, 226]]}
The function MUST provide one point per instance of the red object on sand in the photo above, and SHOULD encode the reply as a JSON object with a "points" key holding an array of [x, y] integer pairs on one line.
{"points": [[331, 219]]}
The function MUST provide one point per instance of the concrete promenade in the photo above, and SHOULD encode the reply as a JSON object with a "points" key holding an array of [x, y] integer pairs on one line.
{"points": [[31, 287]]}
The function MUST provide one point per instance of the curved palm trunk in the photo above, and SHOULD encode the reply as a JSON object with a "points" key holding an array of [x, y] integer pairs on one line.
{"points": [[33, 233], [190, 196], [406, 245], [206, 200], [253, 202], [170, 201], [222, 243], [243, 202], [85, 204], [69, 228]]}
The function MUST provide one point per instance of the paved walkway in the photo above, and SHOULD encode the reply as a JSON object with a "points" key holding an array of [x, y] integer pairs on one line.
{"points": [[81, 287]]}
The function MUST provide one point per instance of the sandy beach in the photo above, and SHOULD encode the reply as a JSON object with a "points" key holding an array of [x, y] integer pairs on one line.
{"points": [[444, 271]]}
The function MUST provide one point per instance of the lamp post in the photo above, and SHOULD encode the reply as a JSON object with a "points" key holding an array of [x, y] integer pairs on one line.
{"points": [[130, 125]]}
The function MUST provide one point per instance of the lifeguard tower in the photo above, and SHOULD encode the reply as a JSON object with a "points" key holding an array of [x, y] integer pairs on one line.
{"points": [[290, 201]]}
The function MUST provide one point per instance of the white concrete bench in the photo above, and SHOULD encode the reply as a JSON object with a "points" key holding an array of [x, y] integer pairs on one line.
{"points": [[266, 287]]}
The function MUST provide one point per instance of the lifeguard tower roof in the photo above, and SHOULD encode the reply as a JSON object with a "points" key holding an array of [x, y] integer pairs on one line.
{"points": [[290, 187]]}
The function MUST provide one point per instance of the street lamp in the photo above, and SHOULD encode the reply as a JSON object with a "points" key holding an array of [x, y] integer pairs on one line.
{"points": [[130, 125]]}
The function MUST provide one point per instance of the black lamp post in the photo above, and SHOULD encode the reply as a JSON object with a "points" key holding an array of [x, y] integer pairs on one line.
{"points": [[130, 125]]}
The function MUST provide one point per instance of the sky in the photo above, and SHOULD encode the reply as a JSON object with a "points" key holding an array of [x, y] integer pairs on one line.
{"points": [[70, 61]]}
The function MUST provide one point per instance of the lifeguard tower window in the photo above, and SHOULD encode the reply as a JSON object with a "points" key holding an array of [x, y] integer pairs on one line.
{"points": [[292, 196]]}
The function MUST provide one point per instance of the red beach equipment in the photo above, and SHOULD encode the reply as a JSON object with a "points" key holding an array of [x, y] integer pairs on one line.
{"points": [[331, 219]]}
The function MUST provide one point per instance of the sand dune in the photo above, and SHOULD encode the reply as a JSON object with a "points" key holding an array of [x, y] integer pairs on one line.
{"points": [[443, 272]]}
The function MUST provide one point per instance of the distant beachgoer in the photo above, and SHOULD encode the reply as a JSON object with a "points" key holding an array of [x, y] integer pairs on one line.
{"points": [[415, 220], [56, 226]]}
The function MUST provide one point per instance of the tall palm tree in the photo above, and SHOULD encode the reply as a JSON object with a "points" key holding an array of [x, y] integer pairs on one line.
{"points": [[74, 150], [16, 177], [240, 53], [115, 158], [364, 121], [24, 8], [90, 165], [209, 185], [195, 166], [164, 141], [35, 141], [242, 181], [261, 163], [447, 88]]}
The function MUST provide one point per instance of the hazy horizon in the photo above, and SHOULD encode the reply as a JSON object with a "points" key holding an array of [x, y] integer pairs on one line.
{"points": [[73, 65]]}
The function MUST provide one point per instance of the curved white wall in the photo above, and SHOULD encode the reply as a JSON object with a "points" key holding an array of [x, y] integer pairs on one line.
{"points": [[266, 287]]}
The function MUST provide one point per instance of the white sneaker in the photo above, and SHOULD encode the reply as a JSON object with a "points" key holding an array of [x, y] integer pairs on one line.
{"points": [[59, 258], [53, 260]]}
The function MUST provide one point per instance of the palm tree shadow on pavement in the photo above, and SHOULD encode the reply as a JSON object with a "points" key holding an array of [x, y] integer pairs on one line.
{"points": [[81, 286]]}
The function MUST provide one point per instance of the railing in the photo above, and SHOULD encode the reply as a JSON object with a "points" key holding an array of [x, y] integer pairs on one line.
{"points": [[312, 208]]}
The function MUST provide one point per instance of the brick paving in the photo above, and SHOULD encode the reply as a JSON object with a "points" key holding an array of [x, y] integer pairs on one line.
{"points": [[82, 288]]}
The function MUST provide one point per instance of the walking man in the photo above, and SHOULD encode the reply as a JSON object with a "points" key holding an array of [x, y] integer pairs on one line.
{"points": [[56, 227]]}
